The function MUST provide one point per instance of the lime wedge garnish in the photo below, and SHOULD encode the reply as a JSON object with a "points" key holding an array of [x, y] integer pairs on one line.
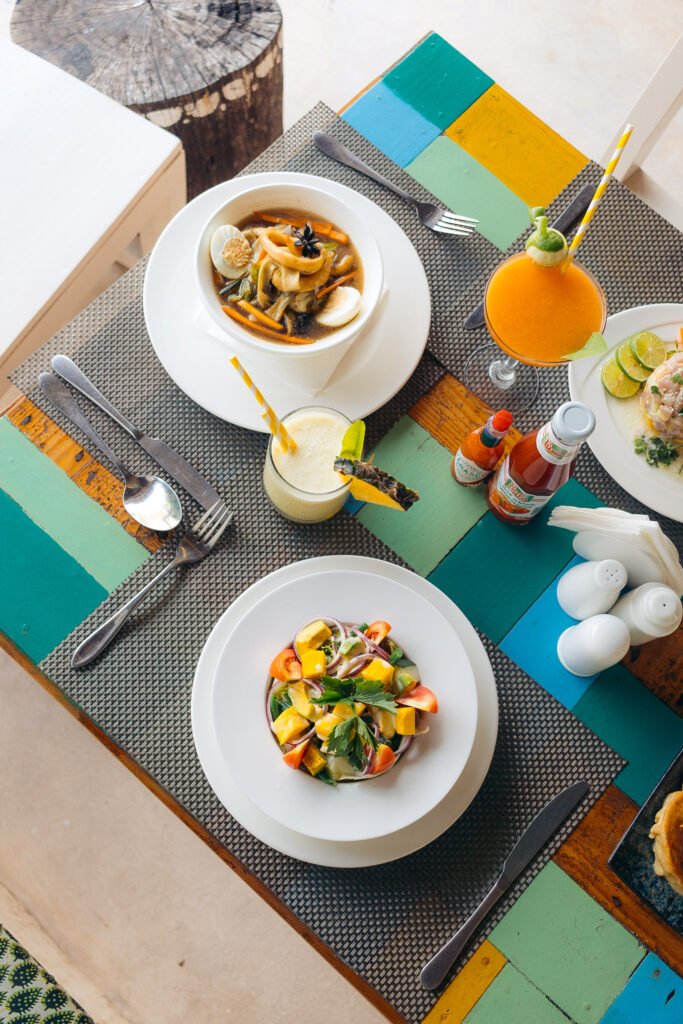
{"points": [[629, 365], [615, 381], [649, 350], [546, 246], [353, 441], [595, 346]]}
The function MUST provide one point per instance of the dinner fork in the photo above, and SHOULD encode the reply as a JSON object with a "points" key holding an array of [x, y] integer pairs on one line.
{"points": [[434, 217], [197, 543]]}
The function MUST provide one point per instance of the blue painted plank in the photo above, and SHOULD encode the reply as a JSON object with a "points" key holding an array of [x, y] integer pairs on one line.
{"points": [[653, 995], [532, 644], [391, 124]]}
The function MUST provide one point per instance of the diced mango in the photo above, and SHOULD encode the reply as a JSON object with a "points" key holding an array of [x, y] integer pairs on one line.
{"points": [[405, 721], [325, 725], [358, 707], [312, 636], [385, 721], [288, 725], [313, 759], [343, 711], [378, 671], [313, 663], [298, 694]]}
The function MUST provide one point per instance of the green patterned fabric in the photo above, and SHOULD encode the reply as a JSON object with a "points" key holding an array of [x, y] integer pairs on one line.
{"points": [[28, 994]]}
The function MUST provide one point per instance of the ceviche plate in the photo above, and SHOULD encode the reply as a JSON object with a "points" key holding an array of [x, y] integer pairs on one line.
{"points": [[376, 806], [619, 421], [195, 354], [365, 852]]}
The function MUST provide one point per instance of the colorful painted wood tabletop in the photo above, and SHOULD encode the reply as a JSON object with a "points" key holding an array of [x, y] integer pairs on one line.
{"points": [[578, 945]]}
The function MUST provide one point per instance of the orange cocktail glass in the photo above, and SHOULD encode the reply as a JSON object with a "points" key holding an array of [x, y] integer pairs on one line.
{"points": [[537, 316]]}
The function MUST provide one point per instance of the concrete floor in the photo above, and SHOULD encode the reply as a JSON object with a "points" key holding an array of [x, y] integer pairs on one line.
{"points": [[138, 919]]}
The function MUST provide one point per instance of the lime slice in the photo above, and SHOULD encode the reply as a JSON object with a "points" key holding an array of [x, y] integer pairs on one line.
{"points": [[649, 350], [629, 365], [615, 381]]}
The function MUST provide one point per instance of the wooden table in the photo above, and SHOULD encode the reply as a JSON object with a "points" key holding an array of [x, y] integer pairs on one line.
{"points": [[578, 944]]}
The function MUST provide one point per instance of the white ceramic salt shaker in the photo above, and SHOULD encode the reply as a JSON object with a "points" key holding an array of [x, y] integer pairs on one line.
{"points": [[650, 611], [595, 644], [591, 588]]}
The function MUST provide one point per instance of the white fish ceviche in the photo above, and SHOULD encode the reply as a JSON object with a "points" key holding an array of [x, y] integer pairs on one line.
{"points": [[344, 702]]}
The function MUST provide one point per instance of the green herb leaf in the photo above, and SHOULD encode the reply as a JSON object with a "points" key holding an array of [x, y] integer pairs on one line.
{"points": [[595, 346], [372, 693], [677, 378], [341, 738], [655, 390], [657, 452]]}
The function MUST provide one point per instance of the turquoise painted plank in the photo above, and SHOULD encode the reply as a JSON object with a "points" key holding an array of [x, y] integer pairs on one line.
{"points": [[458, 180], [512, 999], [438, 81], [445, 511], [639, 726], [45, 593], [391, 124], [653, 995], [497, 570], [532, 644], [66, 513], [567, 945]]}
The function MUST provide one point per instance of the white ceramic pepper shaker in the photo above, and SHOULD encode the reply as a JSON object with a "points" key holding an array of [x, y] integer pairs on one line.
{"points": [[595, 644], [650, 611], [591, 588]]}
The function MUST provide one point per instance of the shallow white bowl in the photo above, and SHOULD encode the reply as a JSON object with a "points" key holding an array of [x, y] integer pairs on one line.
{"points": [[309, 367], [351, 812]]}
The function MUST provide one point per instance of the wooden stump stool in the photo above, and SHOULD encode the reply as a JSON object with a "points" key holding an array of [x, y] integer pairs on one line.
{"points": [[209, 72]]}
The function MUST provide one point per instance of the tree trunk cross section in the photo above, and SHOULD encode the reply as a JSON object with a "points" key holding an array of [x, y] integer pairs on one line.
{"points": [[209, 72]]}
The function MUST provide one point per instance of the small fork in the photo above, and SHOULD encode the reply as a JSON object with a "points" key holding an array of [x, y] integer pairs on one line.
{"points": [[433, 217], [197, 543]]}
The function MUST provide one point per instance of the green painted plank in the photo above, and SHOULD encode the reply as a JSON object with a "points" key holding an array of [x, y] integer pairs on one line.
{"points": [[459, 181], [45, 593], [512, 999], [497, 571], [628, 716], [438, 81], [445, 511], [567, 945], [77, 523]]}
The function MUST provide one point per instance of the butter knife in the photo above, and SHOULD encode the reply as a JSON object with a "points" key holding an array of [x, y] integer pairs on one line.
{"points": [[181, 470], [564, 223], [532, 840]]}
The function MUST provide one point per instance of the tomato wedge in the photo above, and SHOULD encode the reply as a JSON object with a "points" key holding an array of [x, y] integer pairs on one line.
{"points": [[295, 756], [420, 697], [384, 758], [286, 667], [377, 631]]}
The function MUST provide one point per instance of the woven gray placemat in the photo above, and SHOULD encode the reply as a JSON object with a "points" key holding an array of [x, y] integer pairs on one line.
{"points": [[384, 921]]}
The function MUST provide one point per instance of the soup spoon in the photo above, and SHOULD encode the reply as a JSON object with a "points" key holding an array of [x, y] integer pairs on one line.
{"points": [[149, 500]]}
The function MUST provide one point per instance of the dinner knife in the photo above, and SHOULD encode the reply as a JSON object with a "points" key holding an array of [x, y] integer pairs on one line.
{"points": [[181, 470], [564, 223], [532, 840]]}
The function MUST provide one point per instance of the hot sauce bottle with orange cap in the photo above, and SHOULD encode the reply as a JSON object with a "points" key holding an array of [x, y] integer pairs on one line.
{"points": [[478, 455]]}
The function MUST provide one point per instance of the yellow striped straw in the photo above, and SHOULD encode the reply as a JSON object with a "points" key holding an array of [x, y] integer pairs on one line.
{"points": [[599, 192], [276, 428]]}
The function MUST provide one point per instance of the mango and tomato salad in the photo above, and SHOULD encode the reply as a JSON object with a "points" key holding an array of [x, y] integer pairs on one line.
{"points": [[344, 702]]}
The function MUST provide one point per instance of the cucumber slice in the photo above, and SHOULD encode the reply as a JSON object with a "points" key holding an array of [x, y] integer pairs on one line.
{"points": [[615, 381], [648, 349], [629, 365]]}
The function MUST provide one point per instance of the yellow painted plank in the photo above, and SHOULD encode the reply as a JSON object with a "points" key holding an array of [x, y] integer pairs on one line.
{"points": [[468, 986], [524, 153]]}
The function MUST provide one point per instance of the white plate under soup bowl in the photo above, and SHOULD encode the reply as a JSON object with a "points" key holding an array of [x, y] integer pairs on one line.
{"points": [[351, 811], [307, 367]]}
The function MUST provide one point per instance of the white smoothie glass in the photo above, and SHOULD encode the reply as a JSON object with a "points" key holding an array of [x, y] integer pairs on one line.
{"points": [[301, 484]]}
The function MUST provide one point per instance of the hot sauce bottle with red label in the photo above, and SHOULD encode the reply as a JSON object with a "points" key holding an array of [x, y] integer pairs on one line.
{"points": [[539, 464], [477, 456]]}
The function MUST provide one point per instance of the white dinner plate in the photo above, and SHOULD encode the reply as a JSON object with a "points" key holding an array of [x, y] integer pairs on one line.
{"points": [[375, 368], [619, 420], [318, 851], [353, 811]]}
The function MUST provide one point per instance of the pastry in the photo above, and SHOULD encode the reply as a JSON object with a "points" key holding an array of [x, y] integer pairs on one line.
{"points": [[667, 833]]}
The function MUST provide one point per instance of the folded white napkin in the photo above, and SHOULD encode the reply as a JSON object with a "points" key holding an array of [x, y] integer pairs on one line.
{"points": [[641, 532]]}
